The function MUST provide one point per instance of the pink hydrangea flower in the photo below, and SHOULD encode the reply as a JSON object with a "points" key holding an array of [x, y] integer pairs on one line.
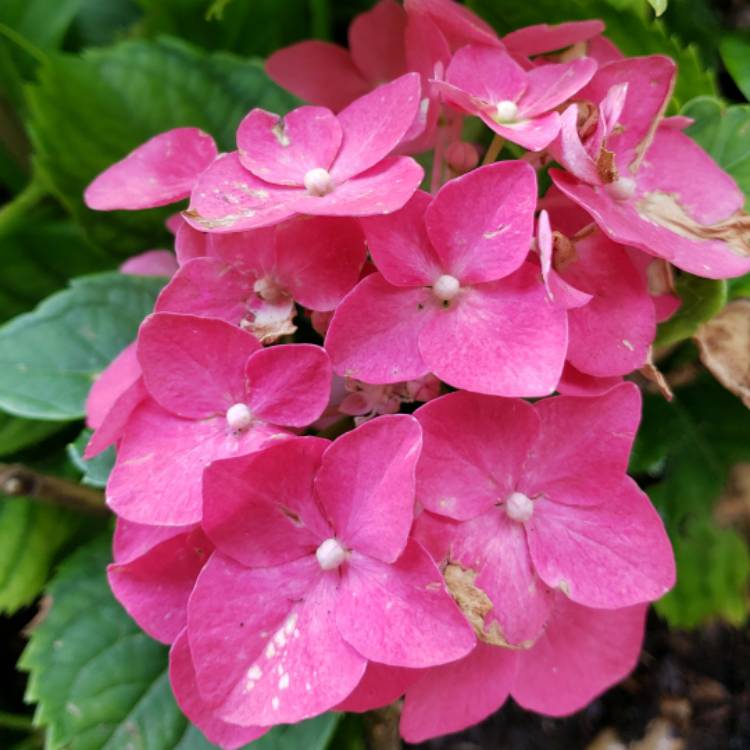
{"points": [[153, 573], [161, 171], [213, 392], [151, 263], [453, 295], [516, 104], [331, 76], [313, 162], [582, 652], [275, 628], [365, 401], [611, 316], [542, 502], [644, 182], [185, 688], [253, 279]]}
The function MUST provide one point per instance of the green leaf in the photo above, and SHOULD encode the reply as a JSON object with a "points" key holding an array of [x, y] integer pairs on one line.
{"points": [[39, 256], [95, 471], [701, 300], [102, 684], [659, 6], [50, 357], [41, 22], [626, 27], [17, 434], [735, 52], [714, 572], [724, 132], [256, 28], [88, 112], [683, 452], [31, 536]]}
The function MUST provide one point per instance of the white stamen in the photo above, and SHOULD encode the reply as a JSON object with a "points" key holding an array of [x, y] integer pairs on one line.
{"points": [[621, 189], [330, 554], [318, 182], [446, 287], [505, 111], [239, 417], [519, 507]]}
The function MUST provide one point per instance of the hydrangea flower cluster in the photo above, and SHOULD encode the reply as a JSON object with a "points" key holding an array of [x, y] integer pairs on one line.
{"points": [[481, 546]]}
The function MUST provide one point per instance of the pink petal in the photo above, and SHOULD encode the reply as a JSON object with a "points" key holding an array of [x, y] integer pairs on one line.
{"points": [[151, 263], [456, 21], [399, 244], [228, 198], [612, 334], [366, 485], [264, 642], [488, 74], [208, 288], [534, 134], [474, 449], [112, 427], [318, 72], [481, 223], [620, 221], [160, 460], [543, 37], [380, 686], [575, 383], [185, 689], [195, 367], [583, 652], [376, 41], [155, 587], [583, 446], [289, 384], [374, 124], [548, 86], [503, 338], [160, 171], [457, 695], [494, 548], [609, 555], [411, 619], [570, 151], [112, 382], [252, 252], [650, 81], [133, 540], [374, 331], [282, 150], [319, 260], [260, 513], [382, 189], [189, 243]]}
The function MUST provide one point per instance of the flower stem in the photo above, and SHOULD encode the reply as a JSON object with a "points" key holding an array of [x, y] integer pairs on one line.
{"points": [[16, 211], [494, 149], [17, 480], [16, 722]]}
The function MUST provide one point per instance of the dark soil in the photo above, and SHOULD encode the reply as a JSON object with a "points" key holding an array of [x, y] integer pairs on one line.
{"points": [[694, 685]]}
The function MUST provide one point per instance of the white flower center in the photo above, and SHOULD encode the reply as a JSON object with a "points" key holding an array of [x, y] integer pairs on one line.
{"points": [[621, 189], [267, 289], [446, 287], [330, 554], [519, 507], [505, 111], [318, 182], [239, 417]]}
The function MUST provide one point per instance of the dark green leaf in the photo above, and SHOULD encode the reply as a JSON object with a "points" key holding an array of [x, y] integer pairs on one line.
{"points": [[31, 536], [41, 22], [17, 434], [95, 471], [735, 51], [50, 357], [701, 300], [88, 112], [101, 684]]}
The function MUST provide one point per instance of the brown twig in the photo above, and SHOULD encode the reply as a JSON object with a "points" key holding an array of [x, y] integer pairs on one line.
{"points": [[381, 728], [17, 480]]}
